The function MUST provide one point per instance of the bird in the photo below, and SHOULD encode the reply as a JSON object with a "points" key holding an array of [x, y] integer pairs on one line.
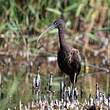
{"points": [[68, 58]]}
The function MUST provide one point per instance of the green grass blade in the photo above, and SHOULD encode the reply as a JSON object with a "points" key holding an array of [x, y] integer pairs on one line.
{"points": [[79, 10], [93, 37], [71, 7], [32, 39], [54, 11], [104, 29]]}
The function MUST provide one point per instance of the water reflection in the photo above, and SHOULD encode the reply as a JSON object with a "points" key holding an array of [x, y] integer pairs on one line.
{"points": [[90, 80]]}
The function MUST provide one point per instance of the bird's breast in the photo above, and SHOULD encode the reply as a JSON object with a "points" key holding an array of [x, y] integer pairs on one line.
{"points": [[63, 61]]}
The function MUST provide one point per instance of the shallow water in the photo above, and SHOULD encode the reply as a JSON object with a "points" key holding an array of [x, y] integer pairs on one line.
{"points": [[17, 74], [23, 89]]}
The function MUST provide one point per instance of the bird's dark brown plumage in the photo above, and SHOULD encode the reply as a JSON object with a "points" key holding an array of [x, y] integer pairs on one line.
{"points": [[68, 58]]}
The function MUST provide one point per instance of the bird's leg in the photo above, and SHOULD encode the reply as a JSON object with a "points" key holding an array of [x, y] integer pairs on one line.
{"points": [[73, 86], [64, 81], [74, 80]]}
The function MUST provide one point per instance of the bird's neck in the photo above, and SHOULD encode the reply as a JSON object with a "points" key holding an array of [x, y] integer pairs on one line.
{"points": [[61, 38]]}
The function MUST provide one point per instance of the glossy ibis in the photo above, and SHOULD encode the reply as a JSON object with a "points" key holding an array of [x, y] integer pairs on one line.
{"points": [[69, 60]]}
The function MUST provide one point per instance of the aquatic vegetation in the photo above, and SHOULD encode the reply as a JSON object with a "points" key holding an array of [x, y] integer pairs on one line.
{"points": [[70, 98]]}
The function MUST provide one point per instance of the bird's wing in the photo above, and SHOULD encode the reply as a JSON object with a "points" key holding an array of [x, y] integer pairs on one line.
{"points": [[75, 59]]}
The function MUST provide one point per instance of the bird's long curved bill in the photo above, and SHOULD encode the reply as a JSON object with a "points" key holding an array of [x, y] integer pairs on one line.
{"points": [[51, 27]]}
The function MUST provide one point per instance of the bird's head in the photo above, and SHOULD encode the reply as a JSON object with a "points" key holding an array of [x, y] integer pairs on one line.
{"points": [[59, 23]]}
